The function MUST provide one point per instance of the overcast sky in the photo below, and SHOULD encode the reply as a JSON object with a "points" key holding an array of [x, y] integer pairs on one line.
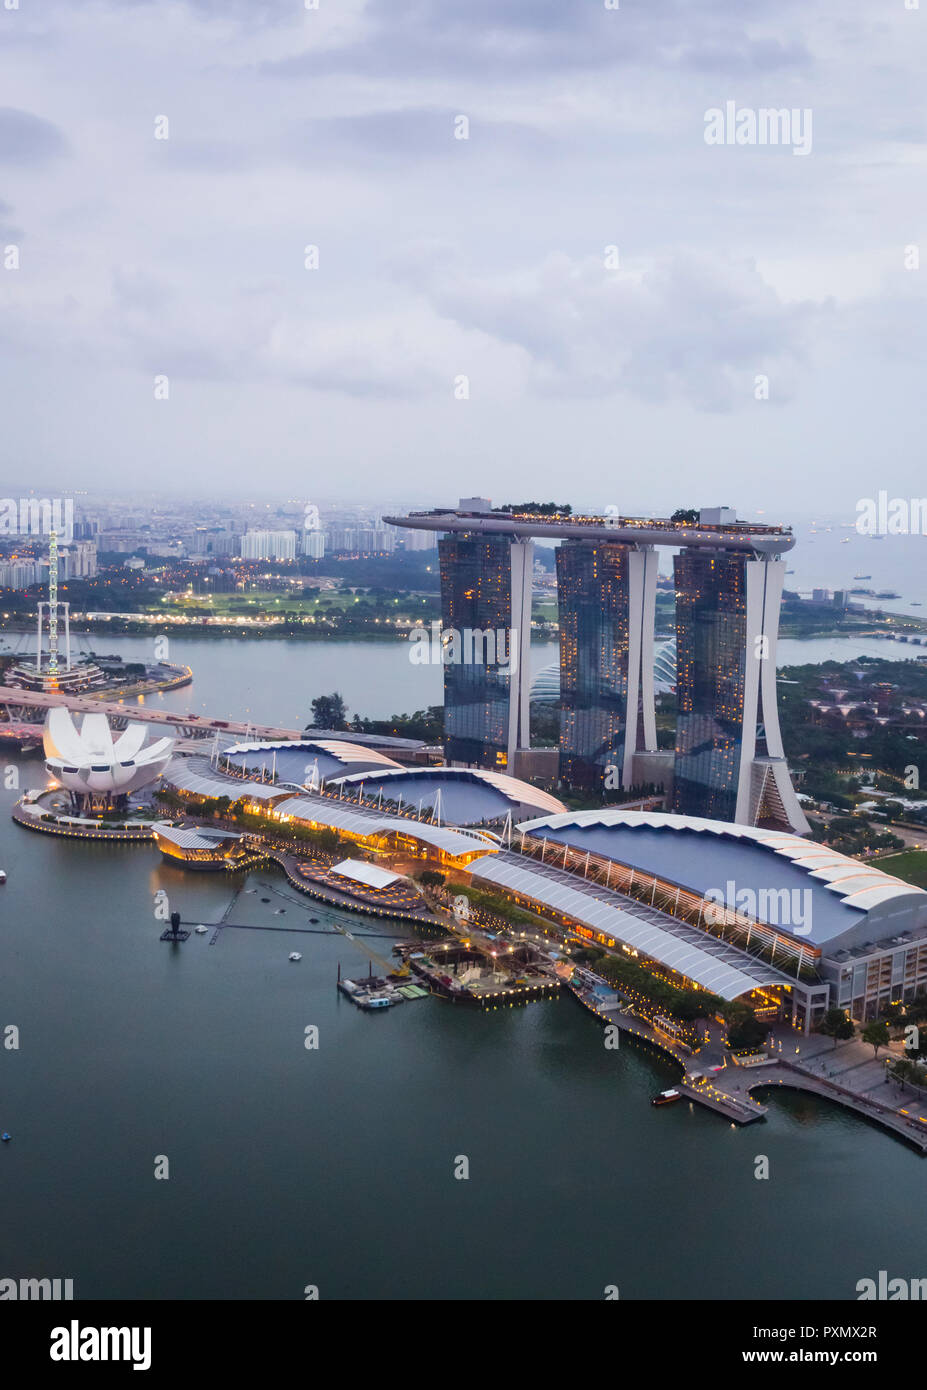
{"points": [[483, 258]]}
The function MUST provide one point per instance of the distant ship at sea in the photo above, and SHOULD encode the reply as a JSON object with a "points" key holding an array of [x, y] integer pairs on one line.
{"points": [[862, 576]]}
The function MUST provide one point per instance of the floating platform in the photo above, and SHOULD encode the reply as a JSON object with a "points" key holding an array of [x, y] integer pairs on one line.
{"points": [[377, 992], [478, 972]]}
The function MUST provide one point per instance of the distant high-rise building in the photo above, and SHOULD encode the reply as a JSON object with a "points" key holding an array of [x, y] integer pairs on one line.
{"points": [[268, 545], [419, 540], [214, 542], [729, 762], [19, 574], [605, 597], [224, 543], [362, 540], [486, 613], [79, 561], [313, 545]]}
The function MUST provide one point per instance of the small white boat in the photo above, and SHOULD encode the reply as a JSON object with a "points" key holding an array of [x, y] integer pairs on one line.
{"points": [[295, 955], [201, 930], [2, 875]]}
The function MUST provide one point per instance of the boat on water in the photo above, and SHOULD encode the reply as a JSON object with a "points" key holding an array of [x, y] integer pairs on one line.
{"points": [[201, 930], [295, 955], [862, 576], [376, 1001], [2, 875], [667, 1097]]}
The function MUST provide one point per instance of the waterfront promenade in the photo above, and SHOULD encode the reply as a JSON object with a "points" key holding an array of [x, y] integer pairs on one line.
{"points": [[849, 1075]]}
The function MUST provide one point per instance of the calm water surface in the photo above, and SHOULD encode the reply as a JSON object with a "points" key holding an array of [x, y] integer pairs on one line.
{"points": [[273, 681]]}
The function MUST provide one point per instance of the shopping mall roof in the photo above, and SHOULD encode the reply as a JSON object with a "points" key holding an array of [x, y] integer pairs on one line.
{"points": [[719, 857], [714, 965], [469, 796], [194, 775], [305, 761], [341, 815]]}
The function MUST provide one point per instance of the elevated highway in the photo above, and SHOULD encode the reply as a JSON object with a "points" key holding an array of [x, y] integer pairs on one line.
{"points": [[27, 707]]}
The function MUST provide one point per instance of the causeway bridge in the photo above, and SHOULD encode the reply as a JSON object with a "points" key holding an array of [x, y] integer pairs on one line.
{"points": [[28, 707]]}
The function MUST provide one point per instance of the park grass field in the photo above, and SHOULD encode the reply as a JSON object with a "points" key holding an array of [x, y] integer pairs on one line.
{"points": [[276, 602], [909, 864]]}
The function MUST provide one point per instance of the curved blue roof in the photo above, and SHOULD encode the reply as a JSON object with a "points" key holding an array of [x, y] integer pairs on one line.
{"points": [[469, 796], [707, 863], [808, 890]]}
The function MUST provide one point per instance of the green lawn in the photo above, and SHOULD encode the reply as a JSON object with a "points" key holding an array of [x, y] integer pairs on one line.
{"points": [[328, 601], [910, 864]]}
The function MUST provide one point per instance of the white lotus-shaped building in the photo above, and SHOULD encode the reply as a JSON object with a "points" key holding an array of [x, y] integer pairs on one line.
{"points": [[93, 765]]}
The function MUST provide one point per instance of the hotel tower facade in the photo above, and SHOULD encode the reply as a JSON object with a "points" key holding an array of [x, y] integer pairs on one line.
{"points": [[728, 762]]}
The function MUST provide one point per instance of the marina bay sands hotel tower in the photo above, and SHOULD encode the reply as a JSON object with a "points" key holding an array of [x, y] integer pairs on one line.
{"points": [[728, 762]]}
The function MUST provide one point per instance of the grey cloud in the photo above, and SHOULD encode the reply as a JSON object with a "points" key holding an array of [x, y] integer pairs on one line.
{"points": [[746, 57], [493, 38], [204, 156], [8, 231], [402, 136], [28, 141], [695, 327]]}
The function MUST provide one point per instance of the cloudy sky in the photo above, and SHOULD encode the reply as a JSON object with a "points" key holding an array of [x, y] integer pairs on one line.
{"points": [[575, 300]]}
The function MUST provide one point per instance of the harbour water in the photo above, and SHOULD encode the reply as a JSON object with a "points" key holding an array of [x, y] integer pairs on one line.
{"points": [[273, 681], [831, 554]]}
